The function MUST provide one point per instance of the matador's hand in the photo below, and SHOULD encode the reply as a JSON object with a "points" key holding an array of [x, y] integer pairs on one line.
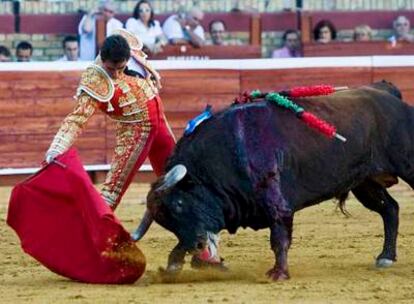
{"points": [[50, 156]]}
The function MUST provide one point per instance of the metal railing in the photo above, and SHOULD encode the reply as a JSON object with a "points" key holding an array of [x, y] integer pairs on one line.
{"points": [[358, 5], [165, 6]]}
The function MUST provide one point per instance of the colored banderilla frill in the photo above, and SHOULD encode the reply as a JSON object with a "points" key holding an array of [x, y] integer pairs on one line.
{"points": [[310, 119], [316, 90], [196, 121], [295, 92]]}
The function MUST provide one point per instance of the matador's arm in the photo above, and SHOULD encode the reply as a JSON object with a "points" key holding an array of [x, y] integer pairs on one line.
{"points": [[72, 126]]}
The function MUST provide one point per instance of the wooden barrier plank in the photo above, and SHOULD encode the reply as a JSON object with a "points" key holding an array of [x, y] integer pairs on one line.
{"points": [[43, 84], [36, 107], [199, 73], [34, 159], [27, 76], [196, 84], [196, 103], [40, 142], [6, 95], [16, 107], [27, 93], [180, 119], [57, 106], [41, 125]]}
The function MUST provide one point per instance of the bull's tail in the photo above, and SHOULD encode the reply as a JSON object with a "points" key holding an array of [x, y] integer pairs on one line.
{"points": [[341, 198]]}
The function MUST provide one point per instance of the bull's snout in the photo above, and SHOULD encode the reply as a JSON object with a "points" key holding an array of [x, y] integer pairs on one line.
{"points": [[199, 245]]}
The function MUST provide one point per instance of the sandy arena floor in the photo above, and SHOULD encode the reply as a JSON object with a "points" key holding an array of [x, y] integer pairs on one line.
{"points": [[331, 261]]}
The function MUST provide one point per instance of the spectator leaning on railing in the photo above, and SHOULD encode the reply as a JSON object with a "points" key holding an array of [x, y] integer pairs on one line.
{"points": [[5, 55], [217, 29], [291, 46], [146, 28], [185, 29], [24, 51], [324, 31], [87, 28], [70, 46], [363, 33], [401, 27]]}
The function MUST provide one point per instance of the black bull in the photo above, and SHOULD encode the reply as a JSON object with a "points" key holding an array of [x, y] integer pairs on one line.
{"points": [[254, 165]]}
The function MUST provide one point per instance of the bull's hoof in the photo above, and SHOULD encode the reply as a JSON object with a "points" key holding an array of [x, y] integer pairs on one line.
{"points": [[277, 274], [171, 270], [198, 263], [384, 263]]}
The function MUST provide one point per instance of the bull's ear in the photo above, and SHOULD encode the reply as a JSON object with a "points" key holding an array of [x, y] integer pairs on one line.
{"points": [[172, 177]]}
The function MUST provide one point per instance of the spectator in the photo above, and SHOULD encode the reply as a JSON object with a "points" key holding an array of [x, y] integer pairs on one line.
{"points": [[70, 49], [24, 51], [185, 29], [401, 30], [148, 30], [324, 31], [5, 55], [87, 28], [217, 29], [291, 46], [363, 33]]}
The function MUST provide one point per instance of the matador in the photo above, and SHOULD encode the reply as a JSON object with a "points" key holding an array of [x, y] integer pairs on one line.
{"points": [[123, 84]]}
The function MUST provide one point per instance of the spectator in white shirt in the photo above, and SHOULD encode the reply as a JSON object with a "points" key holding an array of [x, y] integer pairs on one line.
{"points": [[148, 30], [70, 49], [185, 29], [87, 28]]}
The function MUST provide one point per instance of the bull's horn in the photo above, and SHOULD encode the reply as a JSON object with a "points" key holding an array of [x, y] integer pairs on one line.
{"points": [[172, 177], [143, 226]]}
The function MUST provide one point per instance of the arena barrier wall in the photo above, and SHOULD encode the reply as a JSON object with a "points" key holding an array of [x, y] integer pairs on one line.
{"points": [[36, 96]]}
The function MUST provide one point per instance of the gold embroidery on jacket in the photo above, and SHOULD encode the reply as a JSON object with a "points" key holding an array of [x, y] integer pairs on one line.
{"points": [[126, 99], [97, 83]]}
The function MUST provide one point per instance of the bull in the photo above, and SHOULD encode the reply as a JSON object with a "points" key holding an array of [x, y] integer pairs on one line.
{"points": [[255, 165]]}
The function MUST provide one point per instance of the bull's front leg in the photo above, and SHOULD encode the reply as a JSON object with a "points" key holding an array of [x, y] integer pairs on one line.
{"points": [[176, 259], [280, 239]]}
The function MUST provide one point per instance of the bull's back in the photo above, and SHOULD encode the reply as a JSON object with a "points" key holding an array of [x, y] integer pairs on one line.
{"points": [[319, 168]]}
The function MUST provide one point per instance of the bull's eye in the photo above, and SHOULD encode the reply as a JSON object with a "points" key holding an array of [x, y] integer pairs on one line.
{"points": [[179, 206]]}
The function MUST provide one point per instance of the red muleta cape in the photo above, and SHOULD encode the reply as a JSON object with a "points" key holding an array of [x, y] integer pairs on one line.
{"points": [[63, 222]]}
